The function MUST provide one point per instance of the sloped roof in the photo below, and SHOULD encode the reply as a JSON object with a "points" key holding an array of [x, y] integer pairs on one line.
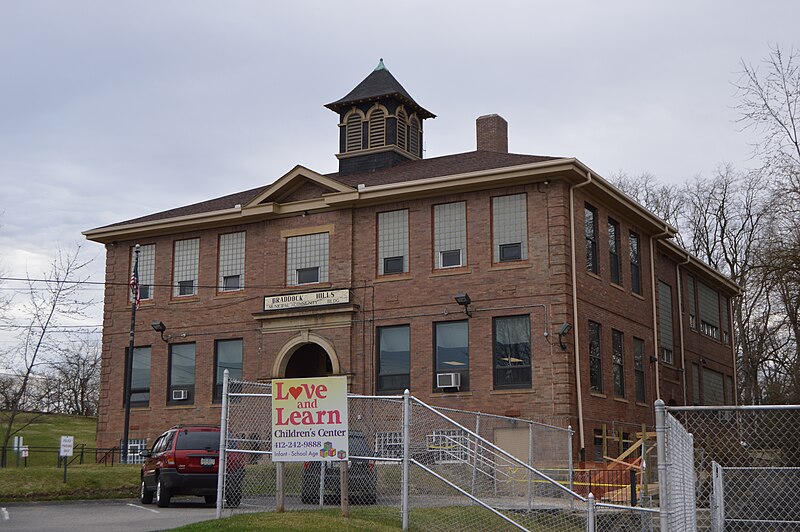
{"points": [[459, 163], [378, 85]]}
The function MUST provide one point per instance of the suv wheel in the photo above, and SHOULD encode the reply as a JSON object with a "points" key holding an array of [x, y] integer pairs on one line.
{"points": [[145, 494], [162, 495]]}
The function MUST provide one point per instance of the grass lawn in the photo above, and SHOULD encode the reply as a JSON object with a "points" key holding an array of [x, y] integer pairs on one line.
{"points": [[43, 436], [88, 481]]}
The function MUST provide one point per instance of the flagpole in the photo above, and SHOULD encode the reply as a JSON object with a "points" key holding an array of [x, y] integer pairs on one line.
{"points": [[129, 362]]}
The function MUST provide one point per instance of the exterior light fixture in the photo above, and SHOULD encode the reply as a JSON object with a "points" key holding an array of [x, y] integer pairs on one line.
{"points": [[464, 300], [563, 331], [159, 327]]}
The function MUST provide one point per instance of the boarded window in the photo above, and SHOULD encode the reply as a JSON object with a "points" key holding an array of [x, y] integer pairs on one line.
{"points": [[713, 392], [665, 332]]}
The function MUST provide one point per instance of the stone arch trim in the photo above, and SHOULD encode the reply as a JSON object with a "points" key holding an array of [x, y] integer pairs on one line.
{"points": [[293, 344]]}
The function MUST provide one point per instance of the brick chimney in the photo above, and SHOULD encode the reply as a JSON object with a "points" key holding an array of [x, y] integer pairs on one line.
{"points": [[492, 133]]}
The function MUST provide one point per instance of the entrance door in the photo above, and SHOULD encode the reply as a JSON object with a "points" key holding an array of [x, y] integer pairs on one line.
{"points": [[309, 360]]}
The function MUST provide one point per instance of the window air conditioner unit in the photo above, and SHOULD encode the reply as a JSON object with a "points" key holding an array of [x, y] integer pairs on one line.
{"points": [[180, 395], [448, 380]]}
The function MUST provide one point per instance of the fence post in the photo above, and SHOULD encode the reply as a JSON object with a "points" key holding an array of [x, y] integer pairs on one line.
{"points": [[406, 457], [661, 453], [590, 514], [223, 441], [633, 487], [530, 463], [475, 454]]}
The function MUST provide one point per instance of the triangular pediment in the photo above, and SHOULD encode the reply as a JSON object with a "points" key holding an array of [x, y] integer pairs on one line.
{"points": [[299, 184]]}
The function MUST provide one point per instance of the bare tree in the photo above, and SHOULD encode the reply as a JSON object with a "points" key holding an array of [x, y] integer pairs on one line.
{"points": [[48, 303], [663, 200], [74, 377]]}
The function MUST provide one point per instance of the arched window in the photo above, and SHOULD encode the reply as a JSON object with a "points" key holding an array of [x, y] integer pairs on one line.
{"points": [[402, 124], [377, 127], [353, 131], [413, 136]]}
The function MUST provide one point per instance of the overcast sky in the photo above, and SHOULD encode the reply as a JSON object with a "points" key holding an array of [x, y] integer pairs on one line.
{"points": [[111, 110]]}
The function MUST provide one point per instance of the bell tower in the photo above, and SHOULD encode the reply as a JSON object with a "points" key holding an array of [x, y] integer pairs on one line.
{"points": [[380, 124]]}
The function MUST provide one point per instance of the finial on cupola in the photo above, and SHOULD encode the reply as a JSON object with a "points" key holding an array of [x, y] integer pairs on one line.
{"points": [[380, 66]]}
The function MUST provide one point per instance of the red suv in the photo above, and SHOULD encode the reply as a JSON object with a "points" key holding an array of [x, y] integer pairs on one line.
{"points": [[185, 461]]}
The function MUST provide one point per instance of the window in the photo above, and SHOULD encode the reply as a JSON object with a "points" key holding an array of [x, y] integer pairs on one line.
{"points": [[636, 262], [227, 355], [394, 359], [450, 234], [140, 376], [231, 261], [181, 374], [590, 228], [147, 261], [414, 136], [185, 263], [595, 358], [377, 127], [448, 446], [613, 251], [134, 447], [712, 387], [665, 333], [638, 370], [510, 228], [599, 445], [512, 352], [402, 128], [691, 302], [393, 242], [353, 134], [307, 259], [618, 362], [709, 311], [726, 336], [452, 350]]}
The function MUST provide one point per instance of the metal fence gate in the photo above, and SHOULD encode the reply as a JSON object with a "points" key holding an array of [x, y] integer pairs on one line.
{"points": [[450, 469], [745, 461]]}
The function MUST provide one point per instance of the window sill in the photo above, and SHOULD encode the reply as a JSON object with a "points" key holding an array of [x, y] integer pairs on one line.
{"points": [[618, 287], [144, 303], [516, 265], [642, 404], [598, 395], [309, 286], [451, 271], [179, 407], [139, 408], [393, 277], [594, 275], [510, 391], [456, 394], [183, 299], [637, 296], [231, 293], [622, 400]]}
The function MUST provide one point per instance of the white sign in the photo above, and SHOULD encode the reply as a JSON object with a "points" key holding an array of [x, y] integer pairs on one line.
{"points": [[308, 299], [66, 445], [309, 419], [25, 451]]}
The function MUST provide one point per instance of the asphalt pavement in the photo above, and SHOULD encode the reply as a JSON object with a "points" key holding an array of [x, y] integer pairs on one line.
{"points": [[119, 515]]}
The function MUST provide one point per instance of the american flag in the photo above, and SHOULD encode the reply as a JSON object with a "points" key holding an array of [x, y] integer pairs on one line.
{"points": [[135, 283]]}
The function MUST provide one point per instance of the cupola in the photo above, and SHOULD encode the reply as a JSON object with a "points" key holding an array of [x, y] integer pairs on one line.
{"points": [[380, 124]]}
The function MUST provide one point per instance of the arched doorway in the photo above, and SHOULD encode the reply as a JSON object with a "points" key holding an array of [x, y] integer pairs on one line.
{"points": [[309, 360]]}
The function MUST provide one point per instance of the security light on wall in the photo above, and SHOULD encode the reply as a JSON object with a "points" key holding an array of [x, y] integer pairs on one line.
{"points": [[464, 300], [159, 327], [563, 331]]}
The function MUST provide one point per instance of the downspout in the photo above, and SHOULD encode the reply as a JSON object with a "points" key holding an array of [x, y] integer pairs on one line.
{"points": [[679, 277], [575, 343], [654, 289]]}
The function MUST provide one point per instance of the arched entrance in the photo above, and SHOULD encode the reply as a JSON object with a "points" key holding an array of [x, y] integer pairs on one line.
{"points": [[306, 355], [309, 360]]}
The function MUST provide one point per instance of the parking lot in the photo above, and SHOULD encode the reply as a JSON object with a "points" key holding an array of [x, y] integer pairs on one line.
{"points": [[120, 515]]}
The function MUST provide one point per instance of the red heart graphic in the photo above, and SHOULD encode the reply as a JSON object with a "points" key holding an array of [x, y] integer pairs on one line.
{"points": [[295, 391]]}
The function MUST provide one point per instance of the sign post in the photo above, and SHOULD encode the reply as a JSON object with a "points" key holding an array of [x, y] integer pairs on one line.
{"points": [[65, 451], [309, 422]]}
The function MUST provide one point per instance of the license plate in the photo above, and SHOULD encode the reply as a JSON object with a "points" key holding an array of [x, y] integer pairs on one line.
{"points": [[206, 461]]}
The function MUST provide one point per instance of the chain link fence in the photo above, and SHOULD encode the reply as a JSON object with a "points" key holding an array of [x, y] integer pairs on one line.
{"points": [[745, 463], [464, 470]]}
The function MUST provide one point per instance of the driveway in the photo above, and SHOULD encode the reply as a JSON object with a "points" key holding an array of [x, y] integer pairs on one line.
{"points": [[120, 515]]}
